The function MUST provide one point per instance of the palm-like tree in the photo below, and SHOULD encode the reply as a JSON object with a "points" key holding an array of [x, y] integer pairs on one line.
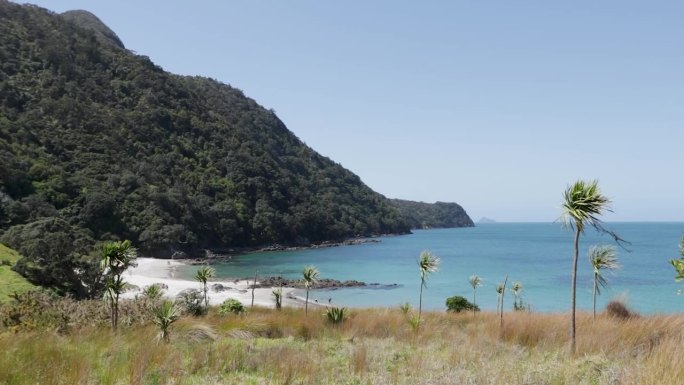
{"points": [[202, 275], [115, 258], [499, 292], [278, 298], [310, 276], [582, 205], [427, 263], [475, 282], [517, 289], [165, 314], [601, 258], [501, 289]]}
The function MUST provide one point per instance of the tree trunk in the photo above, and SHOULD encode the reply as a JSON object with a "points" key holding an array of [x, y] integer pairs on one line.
{"points": [[503, 293], [594, 294], [573, 325], [498, 303], [116, 311], [306, 304], [206, 299], [420, 301], [111, 317], [474, 303], [254, 286]]}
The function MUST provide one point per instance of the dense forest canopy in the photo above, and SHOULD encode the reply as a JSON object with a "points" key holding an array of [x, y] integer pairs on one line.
{"points": [[98, 143], [108, 142], [422, 215]]}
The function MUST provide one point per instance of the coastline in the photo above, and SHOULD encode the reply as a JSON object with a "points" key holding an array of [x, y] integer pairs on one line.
{"points": [[165, 272], [194, 258]]}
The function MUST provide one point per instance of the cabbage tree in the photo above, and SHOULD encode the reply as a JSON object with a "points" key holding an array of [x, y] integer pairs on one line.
{"points": [[310, 276], [601, 258], [582, 205], [475, 282], [427, 264]]}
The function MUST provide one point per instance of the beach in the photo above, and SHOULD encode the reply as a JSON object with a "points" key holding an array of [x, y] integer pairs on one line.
{"points": [[165, 272]]}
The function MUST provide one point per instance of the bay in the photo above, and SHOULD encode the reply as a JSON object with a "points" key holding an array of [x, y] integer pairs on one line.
{"points": [[539, 255]]}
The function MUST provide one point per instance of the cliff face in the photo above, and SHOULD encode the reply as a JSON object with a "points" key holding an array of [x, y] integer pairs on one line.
{"points": [[422, 215], [108, 145]]}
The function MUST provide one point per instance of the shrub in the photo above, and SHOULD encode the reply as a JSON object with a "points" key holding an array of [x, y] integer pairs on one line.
{"points": [[459, 304], [153, 292], [165, 314], [191, 302], [231, 306], [335, 315], [405, 308], [414, 322], [618, 309]]}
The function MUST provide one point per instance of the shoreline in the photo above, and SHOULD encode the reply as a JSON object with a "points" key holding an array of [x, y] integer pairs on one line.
{"points": [[228, 253], [165, 272]]}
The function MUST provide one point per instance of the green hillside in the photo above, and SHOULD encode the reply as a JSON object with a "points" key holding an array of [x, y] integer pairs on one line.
{"points": [[421, 215], [99, 143], [10, 281]]}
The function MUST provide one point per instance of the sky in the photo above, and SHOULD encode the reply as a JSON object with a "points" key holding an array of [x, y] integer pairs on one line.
{"points": [[496, 105]]}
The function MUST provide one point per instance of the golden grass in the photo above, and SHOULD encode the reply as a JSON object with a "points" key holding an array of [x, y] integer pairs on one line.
{"points": [[10, 281], [373, 346]]}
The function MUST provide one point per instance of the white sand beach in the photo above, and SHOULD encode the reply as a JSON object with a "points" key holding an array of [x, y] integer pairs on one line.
{"points": [[163, 271]]}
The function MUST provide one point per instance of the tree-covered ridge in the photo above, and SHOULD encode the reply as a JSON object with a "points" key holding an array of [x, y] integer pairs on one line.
{"points": [[109, 146], [421, 215]]}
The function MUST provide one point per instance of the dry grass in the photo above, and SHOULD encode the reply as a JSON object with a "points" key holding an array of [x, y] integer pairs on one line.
{"points": [[373, 346]]}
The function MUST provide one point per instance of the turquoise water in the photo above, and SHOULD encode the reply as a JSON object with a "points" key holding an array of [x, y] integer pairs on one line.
{"points": [[537, 254]]}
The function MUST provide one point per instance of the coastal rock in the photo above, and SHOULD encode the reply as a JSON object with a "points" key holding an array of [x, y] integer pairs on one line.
{"points": [[217, 287], [295, 283]]}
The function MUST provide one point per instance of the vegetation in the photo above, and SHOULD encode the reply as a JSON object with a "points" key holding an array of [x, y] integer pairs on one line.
{"points": [[458, 304], [278, 298], [335, 315], [310, 276], [56, 255], [582, 205], [502, 294], [202, 275], [427, 264], [153, 292], [374, 346], [98, 143], [517, 289], [499, 293], [601, 258], [12, 282], [475, 282], [116, 258], [191, 302], [678, 264], [231, 306], [256, 275], [619, 310], [420, 215], [165, 314]]}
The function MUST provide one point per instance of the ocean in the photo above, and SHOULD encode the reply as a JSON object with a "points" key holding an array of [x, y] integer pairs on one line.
{"points": [[539, 255]]}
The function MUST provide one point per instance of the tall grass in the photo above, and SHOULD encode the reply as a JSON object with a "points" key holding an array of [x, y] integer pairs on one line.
{"points": [[375, 346]]}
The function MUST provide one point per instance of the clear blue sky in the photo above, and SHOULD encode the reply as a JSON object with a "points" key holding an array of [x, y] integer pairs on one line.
{"points": [[497, 105]]}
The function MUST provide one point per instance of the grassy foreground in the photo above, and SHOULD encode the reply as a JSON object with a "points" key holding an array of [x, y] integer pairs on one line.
{"points": [[373, 346], [10, 281]]}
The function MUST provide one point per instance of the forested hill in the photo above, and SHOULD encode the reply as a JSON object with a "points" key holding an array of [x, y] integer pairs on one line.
{"points": [[422, 215], [98, 143]]}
